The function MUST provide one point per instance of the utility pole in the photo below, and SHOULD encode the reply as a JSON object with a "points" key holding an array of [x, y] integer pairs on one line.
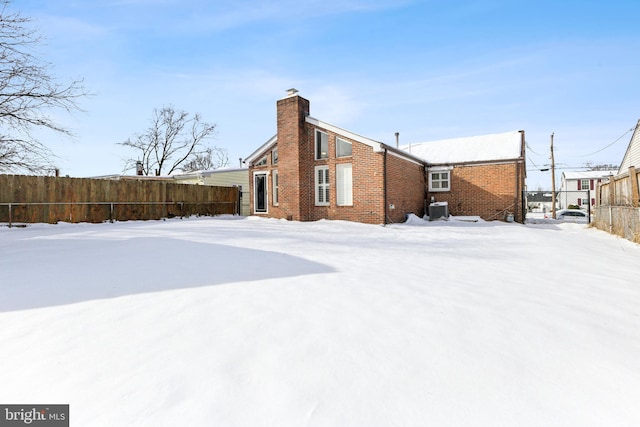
{"points": [[553, 182]]}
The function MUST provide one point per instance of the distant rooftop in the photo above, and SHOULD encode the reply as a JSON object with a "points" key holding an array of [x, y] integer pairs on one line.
{"points": [[588, 174]]}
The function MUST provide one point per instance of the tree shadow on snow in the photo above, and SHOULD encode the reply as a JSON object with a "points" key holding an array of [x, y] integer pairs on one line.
{"points": [[49, 274]]}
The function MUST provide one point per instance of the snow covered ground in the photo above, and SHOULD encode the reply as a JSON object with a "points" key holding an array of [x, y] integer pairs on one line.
{"points": [[255, 322]]}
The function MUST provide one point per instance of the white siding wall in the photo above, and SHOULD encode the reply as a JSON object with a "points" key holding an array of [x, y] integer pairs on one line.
{"points": [[229, 179], [632, 156], [221, 178]]}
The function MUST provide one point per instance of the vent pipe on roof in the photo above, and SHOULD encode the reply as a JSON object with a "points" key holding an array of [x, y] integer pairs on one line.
{"points": [[397, 139]]}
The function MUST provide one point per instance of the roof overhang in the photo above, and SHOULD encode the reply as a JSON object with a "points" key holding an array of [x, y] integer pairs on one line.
{"points": [[261, 150]]}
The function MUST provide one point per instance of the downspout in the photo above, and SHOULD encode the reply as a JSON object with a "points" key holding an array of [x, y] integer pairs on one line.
{"points": [[384, 184], [426, 189], [520, 168]]}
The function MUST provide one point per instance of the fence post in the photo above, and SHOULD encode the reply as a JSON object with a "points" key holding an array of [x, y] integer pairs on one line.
{"points": [[635, 193], [111, 213], [9, 215], [610, 219]]}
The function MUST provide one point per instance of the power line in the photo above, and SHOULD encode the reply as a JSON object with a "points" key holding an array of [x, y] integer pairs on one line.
{"points": [[609, 145], [538, 168], [530, 149]]}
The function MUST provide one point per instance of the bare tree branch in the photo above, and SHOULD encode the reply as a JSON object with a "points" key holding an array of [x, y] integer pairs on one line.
{"points": [[171, 143], [209, 159], [27, 94]]}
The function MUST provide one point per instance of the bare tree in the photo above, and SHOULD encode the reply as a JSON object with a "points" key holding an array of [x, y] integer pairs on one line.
{"points": [[172, 140], [211, 158], [590, 166], [27, 93]]}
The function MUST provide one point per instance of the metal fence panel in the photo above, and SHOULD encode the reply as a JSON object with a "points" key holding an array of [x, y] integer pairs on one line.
{"points": [[623, 221]]}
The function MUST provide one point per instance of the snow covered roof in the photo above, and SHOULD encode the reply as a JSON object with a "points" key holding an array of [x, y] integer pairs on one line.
{"points": [[588, 174], [209, 172], [499, 146]]}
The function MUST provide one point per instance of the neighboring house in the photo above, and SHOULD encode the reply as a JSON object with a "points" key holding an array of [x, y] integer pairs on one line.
{"points": [[224, 177], [578, 188], [313, 170], [480, 175], [540, 201]]}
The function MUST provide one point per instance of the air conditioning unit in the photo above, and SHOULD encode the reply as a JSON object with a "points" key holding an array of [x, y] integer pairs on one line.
{"points": [[438, 210]]}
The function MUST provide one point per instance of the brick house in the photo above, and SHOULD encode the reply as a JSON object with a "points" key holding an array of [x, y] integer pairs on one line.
{"points": [[480, 175], [313, 170]]}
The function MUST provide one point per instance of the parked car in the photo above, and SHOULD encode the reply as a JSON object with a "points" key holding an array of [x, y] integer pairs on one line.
{"points": [[572, 215]]}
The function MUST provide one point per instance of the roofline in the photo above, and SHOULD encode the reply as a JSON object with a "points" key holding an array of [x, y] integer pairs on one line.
{"points": [[564, 174], [378, 147], [359, 138], [628, 147], [264, 147], [204, 173], [480, 162], [402, 154]]}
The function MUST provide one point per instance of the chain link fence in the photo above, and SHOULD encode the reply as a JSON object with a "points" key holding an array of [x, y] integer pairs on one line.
{"points": [[623, 221]]}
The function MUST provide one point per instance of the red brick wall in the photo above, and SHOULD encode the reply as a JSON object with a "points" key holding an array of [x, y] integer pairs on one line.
{"points": [[296, 169], [406, 188], [368, 204], [485, 191]]}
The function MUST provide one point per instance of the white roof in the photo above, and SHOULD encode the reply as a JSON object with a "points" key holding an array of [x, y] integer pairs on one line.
{"points": [[499, 146], [588, 174]]}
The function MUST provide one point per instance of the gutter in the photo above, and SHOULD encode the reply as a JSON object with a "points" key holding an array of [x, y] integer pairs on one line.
{"points": [[479, 162]]}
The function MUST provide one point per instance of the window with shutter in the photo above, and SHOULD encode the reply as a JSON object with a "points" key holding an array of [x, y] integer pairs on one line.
{"points": [[583, 184], [322, 185]]}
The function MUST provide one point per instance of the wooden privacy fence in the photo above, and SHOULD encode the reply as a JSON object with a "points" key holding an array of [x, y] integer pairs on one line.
{"points": [[32, 199], [618, 206]]}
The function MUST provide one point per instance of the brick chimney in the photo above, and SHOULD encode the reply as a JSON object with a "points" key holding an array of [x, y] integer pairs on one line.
{"points": [[295, 152]]}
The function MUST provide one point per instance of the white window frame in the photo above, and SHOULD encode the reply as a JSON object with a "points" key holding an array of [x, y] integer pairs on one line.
{"points": [[340, 141], [585, 187], [274, 156], [266, 193], [439, 180], [322, 187], [317, 153], [344, 184], [275, 184]]}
